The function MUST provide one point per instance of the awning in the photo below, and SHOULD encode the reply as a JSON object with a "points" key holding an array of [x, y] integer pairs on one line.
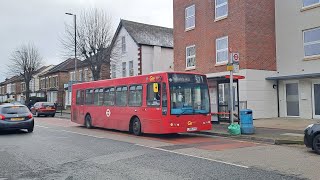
{"points": [[226, 77], [296, 76]]}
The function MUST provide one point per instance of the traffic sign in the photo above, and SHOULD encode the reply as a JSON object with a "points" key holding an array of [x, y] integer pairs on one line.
{"points": [[229, 67], [236, 67], [235, 57]]}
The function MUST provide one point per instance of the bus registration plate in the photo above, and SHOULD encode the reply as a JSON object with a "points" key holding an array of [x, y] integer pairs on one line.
{"points": [[192, 129]]}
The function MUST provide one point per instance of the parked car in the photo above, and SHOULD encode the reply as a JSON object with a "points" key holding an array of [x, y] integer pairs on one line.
{"points": [[15, 117], [312, 137], [16, 103], [44, 108]]}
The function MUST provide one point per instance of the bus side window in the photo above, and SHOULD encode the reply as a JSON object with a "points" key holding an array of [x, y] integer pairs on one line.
{"points": [[164, 99], [89, 93], [164, 95], [121, 96], [82, 97], [78, 99], [109, 96], [98, 97], [153, 98], [135, 95]]}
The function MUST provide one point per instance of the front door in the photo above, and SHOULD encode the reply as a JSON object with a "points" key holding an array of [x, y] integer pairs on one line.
{"points": [[316, 100], [292, 99]]}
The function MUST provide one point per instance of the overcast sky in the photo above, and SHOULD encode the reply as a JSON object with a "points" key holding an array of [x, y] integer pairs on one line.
{"points": [[42, 21]]}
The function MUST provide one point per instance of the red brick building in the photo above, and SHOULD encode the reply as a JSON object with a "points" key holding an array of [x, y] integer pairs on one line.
{"points": [[206, 31]]}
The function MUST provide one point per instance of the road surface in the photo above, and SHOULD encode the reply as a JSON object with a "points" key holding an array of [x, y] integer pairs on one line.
{"points": [[60, 149]]}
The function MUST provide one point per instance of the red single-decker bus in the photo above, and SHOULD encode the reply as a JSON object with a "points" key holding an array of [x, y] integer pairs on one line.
{"points": [[158, 103]]}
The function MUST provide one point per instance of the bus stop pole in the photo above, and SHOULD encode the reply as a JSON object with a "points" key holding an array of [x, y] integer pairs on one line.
{"points": [[231, 92]]}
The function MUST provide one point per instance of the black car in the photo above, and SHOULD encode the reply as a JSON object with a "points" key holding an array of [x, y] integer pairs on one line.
{"points": [[312, 137], [15, 117]]}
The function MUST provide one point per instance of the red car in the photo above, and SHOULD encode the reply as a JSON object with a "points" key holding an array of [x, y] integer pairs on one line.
{"points": [[43, 108]]}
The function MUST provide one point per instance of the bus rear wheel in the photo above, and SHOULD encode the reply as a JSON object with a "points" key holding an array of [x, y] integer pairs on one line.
{"points": [[136, 127], [88, 121]]}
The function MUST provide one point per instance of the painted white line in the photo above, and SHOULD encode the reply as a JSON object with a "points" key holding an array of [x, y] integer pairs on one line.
{"points": [[83, 134], [159, 149], [199, 157], [72, 132], [42, 126]]}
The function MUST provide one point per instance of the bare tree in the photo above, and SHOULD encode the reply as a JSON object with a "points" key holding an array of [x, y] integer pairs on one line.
{"points": [[94, 37], [25, 60]]}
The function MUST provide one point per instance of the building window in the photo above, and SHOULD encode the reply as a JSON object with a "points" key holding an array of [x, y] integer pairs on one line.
{"points": [[222, 50], [191, 57], [124, 69], [46, 85], [80, 75], [113, 70], [56, 81], [98, 97], [23, 87], [135, 95], [72, 76], [109, 97], [310, 2], [221, 8], [86, 74], [121, 96], [50, 82], [131, 68], [41, 83], [13, 88], [190, 17], [311, 42], [123, 44]]}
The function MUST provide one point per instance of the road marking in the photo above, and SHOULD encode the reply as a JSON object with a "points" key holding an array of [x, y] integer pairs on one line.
{"points": [[72, 132], [83, 134], [199, 157], [159, 149], [42, 126]]}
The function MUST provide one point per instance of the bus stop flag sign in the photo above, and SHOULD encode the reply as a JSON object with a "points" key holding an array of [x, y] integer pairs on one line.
{"points": [[235, 57], [235, 61]]}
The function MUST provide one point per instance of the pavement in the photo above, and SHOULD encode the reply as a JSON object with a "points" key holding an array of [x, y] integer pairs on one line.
{"points": [[273, 131], [64, 114]]}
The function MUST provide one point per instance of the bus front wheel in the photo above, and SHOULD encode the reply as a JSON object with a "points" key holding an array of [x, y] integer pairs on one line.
{"points": [[136, 127], [88, 122]]}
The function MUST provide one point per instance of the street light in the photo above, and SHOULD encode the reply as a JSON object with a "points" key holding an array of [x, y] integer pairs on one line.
{"points": [[75, 44]]}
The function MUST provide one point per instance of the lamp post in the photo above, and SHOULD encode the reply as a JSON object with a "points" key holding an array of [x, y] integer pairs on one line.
{"points": [[75, 44]]}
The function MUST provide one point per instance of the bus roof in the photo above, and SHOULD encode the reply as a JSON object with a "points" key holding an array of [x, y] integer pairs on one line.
{"points": [[134, 79]]}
